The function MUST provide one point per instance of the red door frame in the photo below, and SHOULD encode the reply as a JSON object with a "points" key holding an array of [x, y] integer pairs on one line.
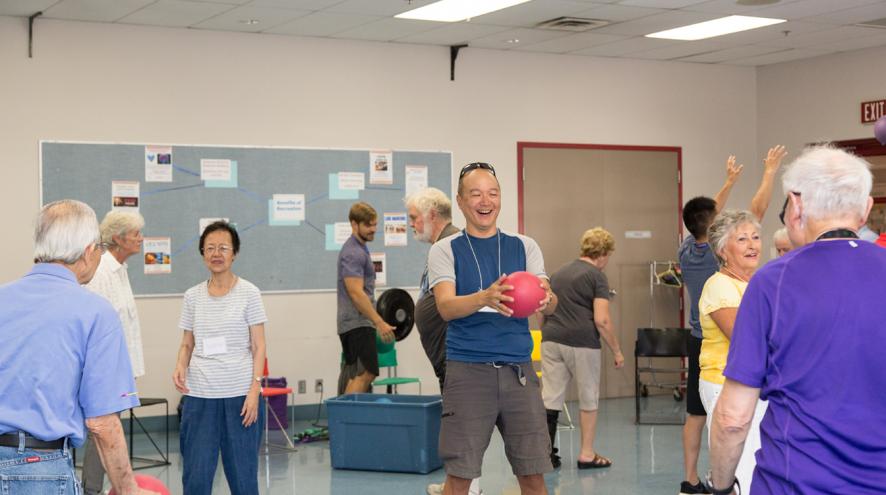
{"points": [[521, 145]]}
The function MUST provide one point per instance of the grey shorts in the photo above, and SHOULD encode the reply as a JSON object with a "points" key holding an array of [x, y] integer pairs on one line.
{"points": [[559, 364], [478, 397]]}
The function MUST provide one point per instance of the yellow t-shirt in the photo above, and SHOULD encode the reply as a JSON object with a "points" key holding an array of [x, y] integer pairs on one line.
{"points": [[720, 291]]}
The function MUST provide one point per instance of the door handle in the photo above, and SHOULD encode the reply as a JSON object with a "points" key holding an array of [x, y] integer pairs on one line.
{"points": [[613, 292]]}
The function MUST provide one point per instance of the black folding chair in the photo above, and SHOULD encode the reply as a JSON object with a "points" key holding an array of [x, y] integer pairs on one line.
{"points": [[660, 343]]}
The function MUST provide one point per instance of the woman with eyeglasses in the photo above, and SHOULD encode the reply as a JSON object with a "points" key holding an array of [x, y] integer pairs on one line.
{"points": [[219, 369]]}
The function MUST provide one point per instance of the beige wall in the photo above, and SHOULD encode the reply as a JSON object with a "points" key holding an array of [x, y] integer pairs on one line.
{"points": [[95, 82], [816, 100]]}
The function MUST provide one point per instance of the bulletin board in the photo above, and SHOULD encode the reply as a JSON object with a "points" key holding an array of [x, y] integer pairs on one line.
{"points": [[289, 205]]}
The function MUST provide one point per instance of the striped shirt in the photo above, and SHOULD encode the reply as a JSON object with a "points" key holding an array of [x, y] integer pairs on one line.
{"points": [[221, 363]]}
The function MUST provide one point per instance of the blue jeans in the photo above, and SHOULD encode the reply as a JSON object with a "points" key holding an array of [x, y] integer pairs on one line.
{"points": [[37, 472], [210, 426]]}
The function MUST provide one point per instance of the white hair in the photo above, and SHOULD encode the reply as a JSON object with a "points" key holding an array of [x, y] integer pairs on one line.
{"points": [[63, 231], [781, 235], [724, 226], [118, 223], [430, 198], [831, 182]]}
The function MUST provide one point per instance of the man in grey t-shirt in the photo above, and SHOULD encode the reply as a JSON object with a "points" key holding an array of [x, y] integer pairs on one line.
{"points": [[358, 321]]}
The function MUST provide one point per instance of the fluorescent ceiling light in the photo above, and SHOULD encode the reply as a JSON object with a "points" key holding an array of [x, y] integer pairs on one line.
{"points": [[457, 10], [716, 27]]}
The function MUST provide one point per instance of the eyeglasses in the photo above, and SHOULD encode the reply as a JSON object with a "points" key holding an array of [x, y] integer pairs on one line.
{"points": [[784, 207], [474, 166], [222, 249]]}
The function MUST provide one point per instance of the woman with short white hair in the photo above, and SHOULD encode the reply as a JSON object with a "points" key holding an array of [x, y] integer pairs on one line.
{"points": [[826, 186], [734, 237], [781, 241], [121, 234]]}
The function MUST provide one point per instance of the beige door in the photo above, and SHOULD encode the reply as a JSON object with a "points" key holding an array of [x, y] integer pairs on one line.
{"points": [[632, 193]]}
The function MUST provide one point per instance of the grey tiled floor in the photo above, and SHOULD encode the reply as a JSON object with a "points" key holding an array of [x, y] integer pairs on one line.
{"points": [[646, 459]]}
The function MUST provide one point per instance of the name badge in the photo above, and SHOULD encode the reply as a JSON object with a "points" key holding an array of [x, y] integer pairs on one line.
{"points": [[214, 345]]}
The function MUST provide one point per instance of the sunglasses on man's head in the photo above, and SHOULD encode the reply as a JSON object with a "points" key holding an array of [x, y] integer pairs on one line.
{"points": [[474, 166]]}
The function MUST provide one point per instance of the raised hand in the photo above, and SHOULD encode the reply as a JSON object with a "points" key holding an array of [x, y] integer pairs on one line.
{"points": [[732, 170], [773, 158]]}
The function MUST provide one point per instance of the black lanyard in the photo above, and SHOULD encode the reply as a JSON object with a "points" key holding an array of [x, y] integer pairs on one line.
{"points": [[838, 234]]}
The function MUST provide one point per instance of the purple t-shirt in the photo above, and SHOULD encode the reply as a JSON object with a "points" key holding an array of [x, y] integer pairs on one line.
{"points": [[810, 334]]}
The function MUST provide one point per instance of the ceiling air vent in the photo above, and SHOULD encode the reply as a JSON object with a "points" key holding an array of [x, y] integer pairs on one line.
{"points": [[573, 24], [876, 23]]}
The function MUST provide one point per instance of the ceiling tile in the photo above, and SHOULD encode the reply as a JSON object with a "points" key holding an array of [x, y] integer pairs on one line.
{"points": [[657, 22], [267, 17], [295, 4], [524, 36], [822, 37], [618, 13], [680, 50], [733, 53], [661, 4], [778, 57], [730, 7], [774, 32], [572, 42], [94, 10], [229, 2], [806, 8], [23, 8], [322, 24], [175, 13], [531, 13], [452, 34], [852, 16], [858, 43], [388, 29], [624, 47], [383, 8]]}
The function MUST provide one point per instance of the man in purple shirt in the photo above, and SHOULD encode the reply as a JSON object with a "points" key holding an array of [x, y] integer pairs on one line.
{"points": [[809, 339]]}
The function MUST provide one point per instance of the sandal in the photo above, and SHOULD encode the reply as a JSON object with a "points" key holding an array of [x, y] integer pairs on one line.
{"points": [[598, 462]]}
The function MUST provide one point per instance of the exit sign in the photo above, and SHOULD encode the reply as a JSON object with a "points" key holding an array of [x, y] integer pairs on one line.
{"points": [[871, 111]]}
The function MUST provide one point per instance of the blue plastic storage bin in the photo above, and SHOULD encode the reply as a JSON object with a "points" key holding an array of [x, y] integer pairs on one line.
{"points": [[380, 432]]}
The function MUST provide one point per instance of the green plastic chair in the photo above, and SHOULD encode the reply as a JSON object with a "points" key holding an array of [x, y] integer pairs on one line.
{"points": [[389, 360]]}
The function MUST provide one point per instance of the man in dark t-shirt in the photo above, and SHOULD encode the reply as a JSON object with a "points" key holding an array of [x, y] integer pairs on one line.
{"points": [[430, 216]]}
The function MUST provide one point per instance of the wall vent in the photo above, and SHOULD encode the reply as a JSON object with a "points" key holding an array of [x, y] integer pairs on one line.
{"points": [[572, 24]]}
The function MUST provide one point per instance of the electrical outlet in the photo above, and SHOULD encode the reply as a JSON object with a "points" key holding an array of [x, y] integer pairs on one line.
{"points": [[318, 386], [302, 386]]}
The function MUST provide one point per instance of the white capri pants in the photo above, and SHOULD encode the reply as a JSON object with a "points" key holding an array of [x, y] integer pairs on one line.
{"points": [[710, 392]]}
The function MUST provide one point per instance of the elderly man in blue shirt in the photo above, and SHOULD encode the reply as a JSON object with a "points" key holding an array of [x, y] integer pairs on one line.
{"points": [[64, 362]]}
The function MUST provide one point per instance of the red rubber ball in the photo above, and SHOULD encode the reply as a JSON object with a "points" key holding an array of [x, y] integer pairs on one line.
{"points": [[148, 483], [527, 293]]}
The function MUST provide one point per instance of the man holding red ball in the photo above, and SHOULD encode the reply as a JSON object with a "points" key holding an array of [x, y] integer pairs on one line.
{"points": [[489, 376]]}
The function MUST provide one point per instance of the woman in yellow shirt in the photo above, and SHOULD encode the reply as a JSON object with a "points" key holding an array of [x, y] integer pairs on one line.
{"points": [[735, 239]]}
